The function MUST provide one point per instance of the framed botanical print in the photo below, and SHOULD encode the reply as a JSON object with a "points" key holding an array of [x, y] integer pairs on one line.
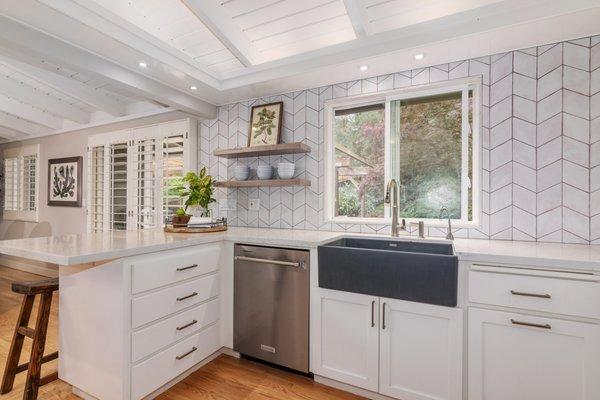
{"points": [[265, 124], [64, 181]]}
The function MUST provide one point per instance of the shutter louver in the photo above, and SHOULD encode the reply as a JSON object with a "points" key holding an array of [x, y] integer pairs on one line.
{"points": [[11, 187], [29, 173], [96, 207], [145, 169], [118, 186]]}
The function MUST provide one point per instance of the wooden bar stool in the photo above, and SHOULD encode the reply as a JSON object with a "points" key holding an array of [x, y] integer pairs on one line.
{"points": [[45, 289]]}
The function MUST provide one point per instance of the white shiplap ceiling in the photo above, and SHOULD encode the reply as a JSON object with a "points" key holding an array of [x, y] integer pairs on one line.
{"points": [[67, 64], [174, 24]]}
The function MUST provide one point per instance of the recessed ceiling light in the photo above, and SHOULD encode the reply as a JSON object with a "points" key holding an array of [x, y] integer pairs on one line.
{"points": [[142, 64], [193, 87], [419, 56], [363, 67]]}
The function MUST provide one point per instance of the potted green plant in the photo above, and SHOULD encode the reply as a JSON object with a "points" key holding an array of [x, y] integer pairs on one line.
{"points": [[198, 191]]}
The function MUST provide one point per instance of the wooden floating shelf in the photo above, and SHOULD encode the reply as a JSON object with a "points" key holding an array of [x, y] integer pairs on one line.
{"points": [[263, 183], [267, 150]]}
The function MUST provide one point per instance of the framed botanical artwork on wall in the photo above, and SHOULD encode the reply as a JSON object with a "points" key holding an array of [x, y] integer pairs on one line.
{"points": [[64, 181], [265, 124]]}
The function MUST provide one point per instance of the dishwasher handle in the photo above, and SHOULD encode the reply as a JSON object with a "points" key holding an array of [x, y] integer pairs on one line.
{"points": [[296, 264]]}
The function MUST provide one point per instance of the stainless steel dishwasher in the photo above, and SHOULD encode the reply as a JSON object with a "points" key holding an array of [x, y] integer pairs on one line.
{"points": [[271, 302]]}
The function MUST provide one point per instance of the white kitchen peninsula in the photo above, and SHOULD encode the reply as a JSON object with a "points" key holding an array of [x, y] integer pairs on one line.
{"points": [[141, 309]]}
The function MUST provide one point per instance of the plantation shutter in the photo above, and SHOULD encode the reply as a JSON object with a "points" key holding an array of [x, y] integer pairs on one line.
{"points": [[118, 163], [29, 184], [21, 183], [132, 175], [11, 184], [96, 212], [144, 168]]}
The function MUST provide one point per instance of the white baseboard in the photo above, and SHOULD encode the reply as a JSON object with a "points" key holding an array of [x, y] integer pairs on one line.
{"points": [[83, 395], [33, 267], [351, 389], [222, 351]]}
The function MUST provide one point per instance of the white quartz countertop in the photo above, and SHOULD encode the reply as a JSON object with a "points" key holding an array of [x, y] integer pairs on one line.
{"points": [[86, 248]]}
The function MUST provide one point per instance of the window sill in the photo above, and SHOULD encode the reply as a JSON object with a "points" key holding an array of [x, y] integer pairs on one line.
{"points": [[430, 223]]}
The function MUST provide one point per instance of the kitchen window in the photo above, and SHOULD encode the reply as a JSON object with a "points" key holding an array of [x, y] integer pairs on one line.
{"points": [[21, 168], [426, 138], [133, 175]]}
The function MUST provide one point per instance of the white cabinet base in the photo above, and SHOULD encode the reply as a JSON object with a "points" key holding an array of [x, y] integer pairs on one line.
{"points": [[557, 360], [346, 337], [420, 351]]}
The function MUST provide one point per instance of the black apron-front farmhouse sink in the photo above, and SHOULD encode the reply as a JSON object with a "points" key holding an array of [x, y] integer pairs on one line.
{"points": [[424, 272]]}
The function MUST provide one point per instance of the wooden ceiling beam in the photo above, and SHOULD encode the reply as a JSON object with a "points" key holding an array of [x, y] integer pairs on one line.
{"points": [[61, 83], [20, 125], [19, 90], [358, 18], [20, 38], [213, 15], [29, 113], [11, 134]]}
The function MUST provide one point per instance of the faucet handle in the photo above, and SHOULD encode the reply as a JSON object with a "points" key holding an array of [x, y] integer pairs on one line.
{"points": [[421, 226]]}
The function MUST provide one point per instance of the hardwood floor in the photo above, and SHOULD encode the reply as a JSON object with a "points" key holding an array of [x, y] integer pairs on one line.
{"points": [[225, 378]]}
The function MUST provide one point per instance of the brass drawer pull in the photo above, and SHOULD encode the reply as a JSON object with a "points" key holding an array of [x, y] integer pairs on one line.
{"points": [[187, 297], [541, 296], [181, 357], [531, 324], [180, 328], [188, 267]]}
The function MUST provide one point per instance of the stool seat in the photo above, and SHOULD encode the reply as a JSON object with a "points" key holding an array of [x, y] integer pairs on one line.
{"points": [[36, 287], [44, 288]]}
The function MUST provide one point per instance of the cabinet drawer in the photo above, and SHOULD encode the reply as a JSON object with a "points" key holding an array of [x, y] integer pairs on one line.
{"points": [[153, 306], [167, 332], [151, 374], [161, 269], [559, 295]]}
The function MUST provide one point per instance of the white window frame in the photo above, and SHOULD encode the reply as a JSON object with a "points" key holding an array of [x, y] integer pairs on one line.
{"points": [[131, 137], [20, 214], [386, 97]]}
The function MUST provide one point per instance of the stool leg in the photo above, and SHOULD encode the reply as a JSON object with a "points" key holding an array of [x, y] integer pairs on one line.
{"points": [[14, 354], [32, 384]]}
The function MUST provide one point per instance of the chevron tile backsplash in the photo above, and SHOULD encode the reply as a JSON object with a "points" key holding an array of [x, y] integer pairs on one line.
{"points": [[541, 146]]}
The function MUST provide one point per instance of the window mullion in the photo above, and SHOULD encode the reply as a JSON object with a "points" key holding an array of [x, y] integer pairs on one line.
{"points": [[464, 194], [388, 162], [20, 179]]}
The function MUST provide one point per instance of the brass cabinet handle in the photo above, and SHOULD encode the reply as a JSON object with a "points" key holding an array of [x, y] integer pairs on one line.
{"points": [[181, 357], [531, 324], [373, 313], [383, 317], [538, 295], [187, 297], [180, 328], [188, 267]]}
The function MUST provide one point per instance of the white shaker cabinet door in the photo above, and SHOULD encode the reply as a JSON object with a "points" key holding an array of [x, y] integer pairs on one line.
{"points": [[521, 357], [346, 338], [421, 350]]}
